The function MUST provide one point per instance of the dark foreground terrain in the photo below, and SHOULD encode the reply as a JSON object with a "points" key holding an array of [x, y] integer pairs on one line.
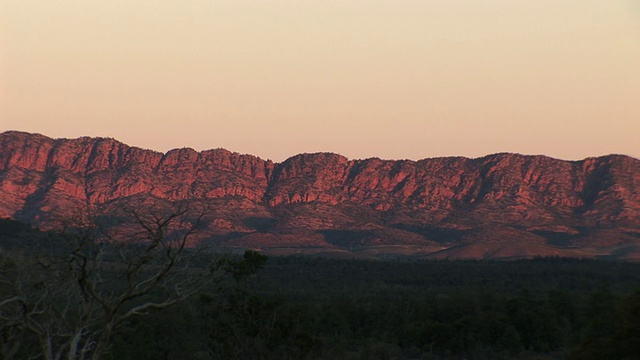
{"points": [[340, 309], [322, 308]]}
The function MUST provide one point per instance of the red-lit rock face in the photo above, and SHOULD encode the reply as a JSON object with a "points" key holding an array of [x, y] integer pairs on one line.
{"points": [[42, 179]]}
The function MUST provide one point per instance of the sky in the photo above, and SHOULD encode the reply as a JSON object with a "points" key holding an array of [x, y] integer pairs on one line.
{"points": [[395, 79]]}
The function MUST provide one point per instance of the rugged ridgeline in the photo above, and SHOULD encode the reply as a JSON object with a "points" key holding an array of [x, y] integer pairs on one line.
{"points": [[497, 206]]}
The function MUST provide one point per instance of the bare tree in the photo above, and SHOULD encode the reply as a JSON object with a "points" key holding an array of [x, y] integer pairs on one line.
{"points": [[72, 298]]}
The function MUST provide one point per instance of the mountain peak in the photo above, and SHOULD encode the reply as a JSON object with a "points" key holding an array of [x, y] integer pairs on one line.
{"points": [[325, 200]]}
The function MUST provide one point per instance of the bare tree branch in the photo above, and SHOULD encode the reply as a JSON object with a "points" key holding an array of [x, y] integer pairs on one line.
{"points": [[72, 302]]}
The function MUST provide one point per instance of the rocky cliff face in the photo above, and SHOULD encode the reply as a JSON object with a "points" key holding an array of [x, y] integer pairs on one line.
{"points": [[328, 201]]}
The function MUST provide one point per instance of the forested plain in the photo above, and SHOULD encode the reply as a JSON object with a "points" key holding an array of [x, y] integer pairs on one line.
{"points": [[323, 308]]}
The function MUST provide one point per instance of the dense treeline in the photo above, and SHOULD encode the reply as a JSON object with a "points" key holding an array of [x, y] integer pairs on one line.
{"points": [[320, 308], [299, 308]]}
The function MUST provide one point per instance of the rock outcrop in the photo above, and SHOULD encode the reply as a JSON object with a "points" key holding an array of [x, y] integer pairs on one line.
{"points": [[327, 201]]}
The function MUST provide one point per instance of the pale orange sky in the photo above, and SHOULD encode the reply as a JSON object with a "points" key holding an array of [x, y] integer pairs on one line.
{"points": [[392, 79]]}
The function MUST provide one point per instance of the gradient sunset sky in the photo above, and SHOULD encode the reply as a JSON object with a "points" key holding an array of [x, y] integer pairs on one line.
{"points": [[393, 79]]}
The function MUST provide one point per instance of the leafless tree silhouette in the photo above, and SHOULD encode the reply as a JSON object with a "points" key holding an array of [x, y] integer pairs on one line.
{"points": [[71, 296]]}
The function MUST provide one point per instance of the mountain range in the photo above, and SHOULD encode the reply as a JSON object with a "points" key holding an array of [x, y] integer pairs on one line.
{"points": [[500, 206]]}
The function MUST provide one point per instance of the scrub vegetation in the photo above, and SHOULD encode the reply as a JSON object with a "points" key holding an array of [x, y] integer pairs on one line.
{"points": [[128, 301]]}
